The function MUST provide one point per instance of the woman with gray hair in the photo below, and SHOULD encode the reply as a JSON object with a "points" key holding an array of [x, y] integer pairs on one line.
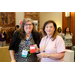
{"points": [[22, 41]]}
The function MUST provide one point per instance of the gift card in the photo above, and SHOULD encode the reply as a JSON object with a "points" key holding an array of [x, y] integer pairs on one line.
{"points": [[32, 49]]}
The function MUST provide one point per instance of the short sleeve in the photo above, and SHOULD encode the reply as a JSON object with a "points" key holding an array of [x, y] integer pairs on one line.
{"points": [[60, 45]]}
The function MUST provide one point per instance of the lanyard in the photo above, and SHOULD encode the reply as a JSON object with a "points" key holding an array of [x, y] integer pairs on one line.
{"points": [[28, 41]]}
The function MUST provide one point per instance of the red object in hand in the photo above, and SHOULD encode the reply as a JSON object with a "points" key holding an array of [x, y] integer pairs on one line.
{"points": [[32, 49]]}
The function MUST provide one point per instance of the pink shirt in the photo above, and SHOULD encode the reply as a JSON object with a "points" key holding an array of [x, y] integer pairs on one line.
{"points": [[52, 47]]}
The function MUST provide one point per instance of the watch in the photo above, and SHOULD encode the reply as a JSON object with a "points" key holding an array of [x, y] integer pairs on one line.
{"points": [[48, 55]]}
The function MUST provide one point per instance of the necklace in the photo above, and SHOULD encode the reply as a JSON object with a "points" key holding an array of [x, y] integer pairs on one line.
{"points": [[27, 38]]}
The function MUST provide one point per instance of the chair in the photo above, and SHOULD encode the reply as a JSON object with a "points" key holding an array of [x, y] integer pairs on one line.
{"points": [[4, 54], [69, 56]]}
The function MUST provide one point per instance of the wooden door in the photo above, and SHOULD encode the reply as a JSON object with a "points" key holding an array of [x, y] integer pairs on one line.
{"points": [[72, 26], [65, 22]]}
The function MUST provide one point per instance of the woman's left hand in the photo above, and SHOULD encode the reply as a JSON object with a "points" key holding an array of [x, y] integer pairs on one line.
{"points": [[42, 55]]}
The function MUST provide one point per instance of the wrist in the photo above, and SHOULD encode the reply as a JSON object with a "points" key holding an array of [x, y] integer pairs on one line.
{"points": [[48, 55]]}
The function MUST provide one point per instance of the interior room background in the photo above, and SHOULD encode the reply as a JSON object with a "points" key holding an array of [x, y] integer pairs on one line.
{"points": [[8, 20]]}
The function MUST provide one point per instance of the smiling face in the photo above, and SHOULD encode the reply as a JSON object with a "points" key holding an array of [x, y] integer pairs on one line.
{"points": [[49, 29], [28, 27]]}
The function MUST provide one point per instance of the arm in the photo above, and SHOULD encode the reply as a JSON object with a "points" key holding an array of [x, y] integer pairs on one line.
{"points": [[13, 46], [56, 56], [12, 56]]}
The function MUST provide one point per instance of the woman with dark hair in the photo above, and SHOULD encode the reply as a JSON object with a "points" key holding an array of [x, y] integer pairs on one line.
{"points": [[21, 41], [67, 36], [52, 48], [59, 31]]}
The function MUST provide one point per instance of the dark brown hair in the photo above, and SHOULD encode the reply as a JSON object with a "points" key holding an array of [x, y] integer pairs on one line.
{"points": [[59, 29], [69, 30], [55, 32]]}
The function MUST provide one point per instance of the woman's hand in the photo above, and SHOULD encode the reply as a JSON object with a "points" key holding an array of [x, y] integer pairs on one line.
{"points": [[42, 55], [36, 48]]}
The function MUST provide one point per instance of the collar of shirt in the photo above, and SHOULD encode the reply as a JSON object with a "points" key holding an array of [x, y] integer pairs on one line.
{"points": [[48, 37]]}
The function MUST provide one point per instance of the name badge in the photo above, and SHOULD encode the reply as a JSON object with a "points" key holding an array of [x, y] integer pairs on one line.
{"points": [[24, 53]]}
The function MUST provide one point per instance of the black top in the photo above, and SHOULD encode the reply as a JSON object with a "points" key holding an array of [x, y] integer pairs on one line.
{"points": [[15, 41], [12, 33], [5, 35]]}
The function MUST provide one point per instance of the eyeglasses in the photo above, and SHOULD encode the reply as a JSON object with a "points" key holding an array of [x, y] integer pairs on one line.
{"points": [[28, 24]]}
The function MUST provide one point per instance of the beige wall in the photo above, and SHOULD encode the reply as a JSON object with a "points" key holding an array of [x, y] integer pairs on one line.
{"points": [[19, 16], [56, 16], [44, 16]]}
